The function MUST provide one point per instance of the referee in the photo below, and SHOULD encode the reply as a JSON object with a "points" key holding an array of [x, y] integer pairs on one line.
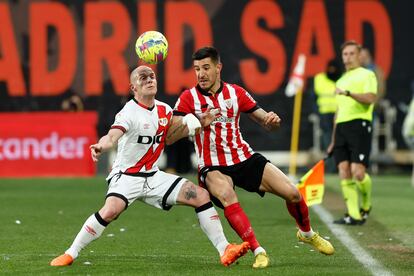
{"points": [[351, 138]]}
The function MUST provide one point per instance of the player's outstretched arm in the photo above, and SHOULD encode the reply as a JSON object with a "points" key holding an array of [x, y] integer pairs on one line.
{"points": [[176, 131], [105, 143], [268, 120], [181, 127]]}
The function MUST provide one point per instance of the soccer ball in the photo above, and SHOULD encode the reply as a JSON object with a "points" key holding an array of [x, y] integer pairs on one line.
{"points": [[152, 47]]}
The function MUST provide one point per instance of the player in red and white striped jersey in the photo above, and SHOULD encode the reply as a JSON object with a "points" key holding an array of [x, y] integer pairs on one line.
{"points": [[140, 129], [221, 143], [225, 159]]}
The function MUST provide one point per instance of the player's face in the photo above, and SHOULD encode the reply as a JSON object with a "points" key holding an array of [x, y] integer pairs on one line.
{"points": [[350, 56], [207, 73], [145, 82]]}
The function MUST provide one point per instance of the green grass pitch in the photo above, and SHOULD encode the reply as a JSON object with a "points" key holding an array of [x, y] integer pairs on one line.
{"points": [[39, 218]]}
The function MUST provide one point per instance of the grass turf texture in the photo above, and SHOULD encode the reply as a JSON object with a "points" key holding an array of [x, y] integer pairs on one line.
{"points": [[148, 241]]}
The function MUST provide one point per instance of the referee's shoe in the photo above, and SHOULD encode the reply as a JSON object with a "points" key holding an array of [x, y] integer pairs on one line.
{"points": [[348, 220]]}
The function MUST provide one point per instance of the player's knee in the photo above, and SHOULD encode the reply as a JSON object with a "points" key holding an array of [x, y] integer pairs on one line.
{"points": [[227, 196], [202, 195], [109, 213], [293, 196], [222, 190], [193, 195]]}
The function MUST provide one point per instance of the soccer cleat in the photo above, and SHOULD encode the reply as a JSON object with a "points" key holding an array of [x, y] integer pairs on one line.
{"points": [[233, 252], [62, 260], [365, 213], [261, 260], [323, 246], [348, 220]]}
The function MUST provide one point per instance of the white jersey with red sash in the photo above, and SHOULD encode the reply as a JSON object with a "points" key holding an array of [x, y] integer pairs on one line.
{"points": [[142, 144], [220, 143]]}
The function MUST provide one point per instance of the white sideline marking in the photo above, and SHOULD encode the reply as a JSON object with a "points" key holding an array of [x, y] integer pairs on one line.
{"points": [[362, 256]]}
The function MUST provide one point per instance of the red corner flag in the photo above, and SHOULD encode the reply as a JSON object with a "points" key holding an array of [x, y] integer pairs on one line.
{"points": [[311, 185]]}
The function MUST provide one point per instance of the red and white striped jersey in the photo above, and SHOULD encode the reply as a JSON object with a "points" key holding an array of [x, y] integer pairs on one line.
{"points": [[220, 143], [142, 144]]}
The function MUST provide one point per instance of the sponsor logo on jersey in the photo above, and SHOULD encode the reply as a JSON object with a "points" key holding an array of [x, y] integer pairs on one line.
{"points": [[223, 119], [163, 121], [146, 140]]}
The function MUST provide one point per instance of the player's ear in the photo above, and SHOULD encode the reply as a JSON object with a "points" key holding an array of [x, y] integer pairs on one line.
{"points": [[219, 66], [132, 87]]}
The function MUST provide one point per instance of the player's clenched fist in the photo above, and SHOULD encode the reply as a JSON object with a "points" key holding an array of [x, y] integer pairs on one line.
{"points": [[271, 120], [96, 151]]}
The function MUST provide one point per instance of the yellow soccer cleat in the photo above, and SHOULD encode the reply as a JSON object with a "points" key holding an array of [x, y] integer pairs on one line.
{"points": [[62, 260], [323, 246], [233, 252], [261, 260]]}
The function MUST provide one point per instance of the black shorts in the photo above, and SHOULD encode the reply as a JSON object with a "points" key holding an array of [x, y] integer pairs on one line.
{"points": [[353, 142], [247, 175]]}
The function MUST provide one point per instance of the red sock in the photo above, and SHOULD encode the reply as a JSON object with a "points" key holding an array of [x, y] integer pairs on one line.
{"points": [[241, 224], [300, 212]]}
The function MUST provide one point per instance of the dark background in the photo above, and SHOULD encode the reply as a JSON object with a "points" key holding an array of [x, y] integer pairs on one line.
{"points": [[225, 23]]}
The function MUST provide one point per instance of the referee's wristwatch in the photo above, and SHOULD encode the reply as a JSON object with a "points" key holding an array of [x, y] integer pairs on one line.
{"points": [[347, 93]]}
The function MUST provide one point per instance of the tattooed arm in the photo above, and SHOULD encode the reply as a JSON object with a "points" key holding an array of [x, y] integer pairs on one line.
{"points": [[176, 131]]}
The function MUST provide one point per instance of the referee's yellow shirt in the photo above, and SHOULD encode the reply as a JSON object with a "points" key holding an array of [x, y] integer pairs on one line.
{"points": [[325, 92], [358, 80]]}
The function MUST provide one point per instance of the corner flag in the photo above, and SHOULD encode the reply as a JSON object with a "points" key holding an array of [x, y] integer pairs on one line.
{"points": [[311, 185], [296, 81]]}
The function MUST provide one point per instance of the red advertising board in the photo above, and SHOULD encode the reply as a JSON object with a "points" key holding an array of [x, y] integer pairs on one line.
{"points": [[47, 144]]}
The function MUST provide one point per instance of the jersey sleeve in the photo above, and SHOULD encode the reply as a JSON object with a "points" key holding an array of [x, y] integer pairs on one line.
{"points": [[246, 102], [371, 84], [184, 104], [122, 121]]}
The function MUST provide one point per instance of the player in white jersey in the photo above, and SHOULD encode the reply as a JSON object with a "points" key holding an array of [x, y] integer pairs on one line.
{"points": [[226, 160], [141, 130]]}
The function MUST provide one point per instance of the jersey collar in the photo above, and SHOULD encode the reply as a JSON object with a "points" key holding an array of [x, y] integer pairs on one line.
{"points": [[207, 93], [143, 105]]}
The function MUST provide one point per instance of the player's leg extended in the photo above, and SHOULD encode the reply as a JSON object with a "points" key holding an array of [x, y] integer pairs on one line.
{"points": [[276, 182], [91, 230], [364, 184], [221, 186], [209, 219]]}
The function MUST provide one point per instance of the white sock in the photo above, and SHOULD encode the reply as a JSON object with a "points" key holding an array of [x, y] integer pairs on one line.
{"points": [[259, 250], [91, 230], [211, 226], [308, 234]]}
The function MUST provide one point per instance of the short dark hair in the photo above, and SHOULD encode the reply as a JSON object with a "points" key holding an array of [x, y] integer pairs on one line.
{"points": [[351, 42], [206, 52]]}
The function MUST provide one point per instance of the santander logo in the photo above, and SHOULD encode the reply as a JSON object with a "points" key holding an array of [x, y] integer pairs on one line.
{"points": [[48, 148]]}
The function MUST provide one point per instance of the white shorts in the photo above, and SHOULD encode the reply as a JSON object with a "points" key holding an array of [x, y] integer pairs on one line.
{"points": [[160, 190]]}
